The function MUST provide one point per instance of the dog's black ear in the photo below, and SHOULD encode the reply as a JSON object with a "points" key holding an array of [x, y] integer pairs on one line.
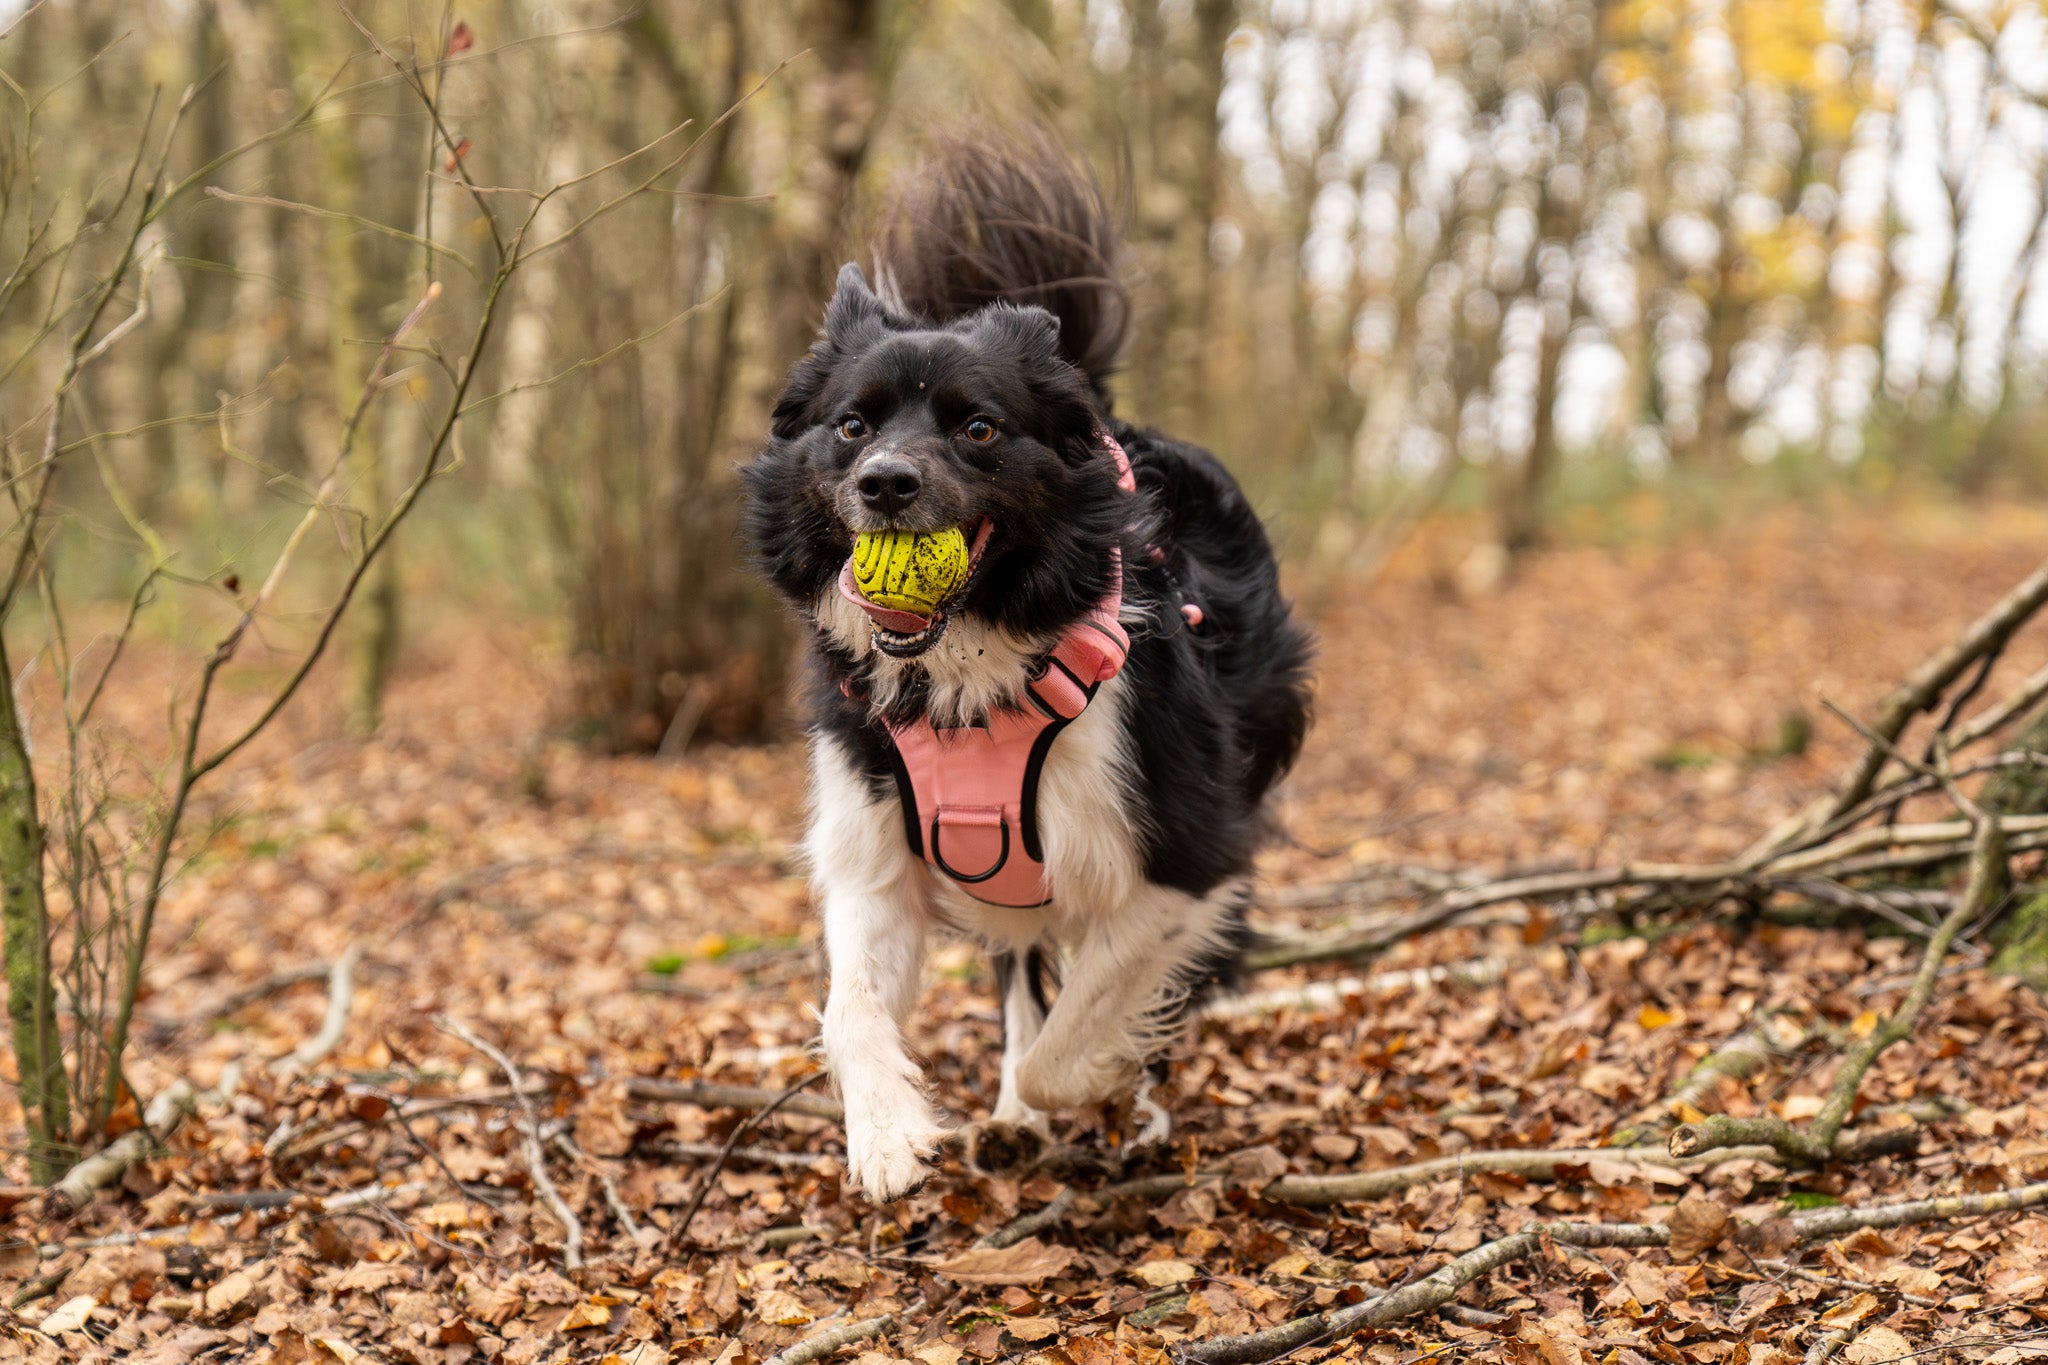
{"points": [[1031, 331], [854, 319], [855, 308]]}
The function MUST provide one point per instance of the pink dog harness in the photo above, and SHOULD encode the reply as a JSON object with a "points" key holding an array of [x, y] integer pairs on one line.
{"points": [[970, 794]]}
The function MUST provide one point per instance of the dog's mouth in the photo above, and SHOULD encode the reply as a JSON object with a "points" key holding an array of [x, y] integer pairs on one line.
{"points": [[906, 634]]}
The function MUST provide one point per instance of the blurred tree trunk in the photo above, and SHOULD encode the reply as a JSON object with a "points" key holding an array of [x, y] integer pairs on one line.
{"points": [[1176, 73], [31, 992], [254, 331], [835, 113], [1568, 66]]}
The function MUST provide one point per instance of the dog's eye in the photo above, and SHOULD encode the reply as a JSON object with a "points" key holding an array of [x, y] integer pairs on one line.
{"points": [[980, 431], [852, 428]]}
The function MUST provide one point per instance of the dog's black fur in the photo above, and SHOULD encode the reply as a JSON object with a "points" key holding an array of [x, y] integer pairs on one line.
{"points": [[1001, 303]]}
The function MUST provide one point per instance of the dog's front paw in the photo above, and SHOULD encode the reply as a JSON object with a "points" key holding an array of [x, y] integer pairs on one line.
{"points": [[1053, 1083], [996, 1146], [888, 1158]]}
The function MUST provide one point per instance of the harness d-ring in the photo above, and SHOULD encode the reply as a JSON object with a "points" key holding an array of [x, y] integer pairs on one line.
{"points": [[1002, 855]]}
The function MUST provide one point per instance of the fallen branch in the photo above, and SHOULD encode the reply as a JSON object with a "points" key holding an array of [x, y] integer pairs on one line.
{"points": [[1924, 687], [1739, 1058], [752, 1122], [707, 1096], [1438, 1288], [1820, 1142], [104, 1167], [764, 1156], [1329, 995], [1313, 1191], [1830, 1342], [826, 1342], [624, 1216], [341, 981], [1816, 1224], [781, 1239], [529, 1129], [181, 1234], [234, 1002], [1831, 1282], [1432, 1291], [179, 1099], [1030, 1224]]}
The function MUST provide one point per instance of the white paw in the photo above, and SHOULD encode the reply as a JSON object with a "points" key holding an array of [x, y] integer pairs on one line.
{"points": [[888, 1152]]}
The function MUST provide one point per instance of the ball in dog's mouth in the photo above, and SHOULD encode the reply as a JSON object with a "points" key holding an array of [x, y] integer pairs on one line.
{"points": [[906, 571]]}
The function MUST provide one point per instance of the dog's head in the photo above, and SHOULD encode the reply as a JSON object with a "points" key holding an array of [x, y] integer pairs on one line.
{"points": [[892, 423]]}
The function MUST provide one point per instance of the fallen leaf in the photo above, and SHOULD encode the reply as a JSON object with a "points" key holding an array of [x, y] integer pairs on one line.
{"points": [[1877, 1344], [1912, 1279], [1027, 1262], [1697, 1226], [1852, 1312], [1754, 1302], [1160, 1274], [938, 1353], [1334, 1146], [1556, 1347], [1646, 1282], [783, 1309], [224, 1297], [1798, 1107], [589, 1313], [68, 1316], [1031, 1329]]}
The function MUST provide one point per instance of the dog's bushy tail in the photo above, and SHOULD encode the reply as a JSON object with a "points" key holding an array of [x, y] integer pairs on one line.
{"points": [[991, 217]]}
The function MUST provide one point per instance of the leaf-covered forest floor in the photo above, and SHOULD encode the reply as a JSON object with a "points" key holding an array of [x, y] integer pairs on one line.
{"points": [[601, 920]]}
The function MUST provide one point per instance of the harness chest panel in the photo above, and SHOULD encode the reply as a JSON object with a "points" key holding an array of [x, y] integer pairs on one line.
{"points": [[970, 794]]}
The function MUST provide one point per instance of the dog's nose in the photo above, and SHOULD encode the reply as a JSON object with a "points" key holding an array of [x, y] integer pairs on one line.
{"points": [[889, 483]]}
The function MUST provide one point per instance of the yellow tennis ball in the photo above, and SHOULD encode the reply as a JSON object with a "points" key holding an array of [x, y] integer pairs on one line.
{"points": [[908, 571]]}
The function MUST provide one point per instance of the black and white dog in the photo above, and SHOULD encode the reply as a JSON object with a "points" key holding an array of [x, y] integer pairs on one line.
{"points": [[1068, 756]]}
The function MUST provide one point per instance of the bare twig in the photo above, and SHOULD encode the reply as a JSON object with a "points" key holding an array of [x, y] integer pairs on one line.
{"points": [[624, 1215], [340, 994], [824, 1343], [1440, 1287], [1922, 689], [105, 1166], [1819, 1142], [1739, 1058], [536, 1159], [707, 1096], [765, 1156], [1832, 1282], [1030, 1224], [1317, 1190], [739, 1131]]}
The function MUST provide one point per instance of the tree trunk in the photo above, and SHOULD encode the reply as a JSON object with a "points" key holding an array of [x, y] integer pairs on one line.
{"points": [[31, 989]]}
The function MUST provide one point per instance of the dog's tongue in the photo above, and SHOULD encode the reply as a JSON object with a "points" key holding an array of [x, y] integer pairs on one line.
{"points": [[888, 618]]}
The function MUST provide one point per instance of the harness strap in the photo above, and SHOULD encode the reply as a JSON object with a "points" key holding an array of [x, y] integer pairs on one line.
{"points": [[970, 794]]}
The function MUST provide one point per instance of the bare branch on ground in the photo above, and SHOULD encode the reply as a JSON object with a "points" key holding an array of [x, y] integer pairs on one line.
{"points": [[1819, 1142], [529, 1129]]}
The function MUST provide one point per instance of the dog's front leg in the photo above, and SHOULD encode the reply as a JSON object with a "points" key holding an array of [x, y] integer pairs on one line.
{"points": [[1121, 998], [874, 913]]}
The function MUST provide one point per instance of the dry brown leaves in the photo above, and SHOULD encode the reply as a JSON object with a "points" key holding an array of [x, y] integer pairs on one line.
{"points": [[1605, 701]]}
